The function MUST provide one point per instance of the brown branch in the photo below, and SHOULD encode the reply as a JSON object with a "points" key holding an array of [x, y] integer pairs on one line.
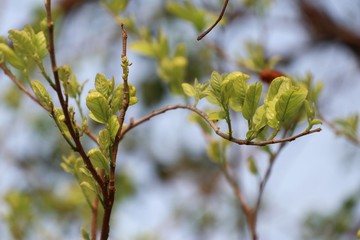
{"points": [[19, 84], [63, 103], [202, 35], [216, 129], [125, 104]]}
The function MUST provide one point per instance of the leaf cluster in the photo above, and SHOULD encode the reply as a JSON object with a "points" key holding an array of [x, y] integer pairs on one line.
{"points": [[281, 106]]}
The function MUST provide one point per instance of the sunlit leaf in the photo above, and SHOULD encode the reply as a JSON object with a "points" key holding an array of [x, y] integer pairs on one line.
{"points": [[115, 6], [113, 126], [98, 106], [252, 99], [9, 56], [98, 159], [42, 94], [290, 103]]}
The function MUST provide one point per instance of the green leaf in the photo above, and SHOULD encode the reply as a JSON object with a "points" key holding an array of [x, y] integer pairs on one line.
{"points": [[237, 99], [156, 48], [85, 235], [252, 99], [216, 116], [290, 103], [98, 159], [277, 87], [60, 118], [85, 184], [217, 151], [188, 12], [104, 141], [115, 6], [10, 56], [188, 90], [252, 165], [42, 94], [103, 86], [113, 126], [98, 106]]}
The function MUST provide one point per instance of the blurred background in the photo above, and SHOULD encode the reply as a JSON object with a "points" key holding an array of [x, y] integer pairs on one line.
{"points": [[168, 187]]}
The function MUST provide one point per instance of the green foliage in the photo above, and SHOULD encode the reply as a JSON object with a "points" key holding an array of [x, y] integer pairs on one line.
{"points": [[105, 101], [42, 95], [348, 126], [257, 59], [171, 67], [29, 45], [282, 105], [115, 6], [217, 151]]}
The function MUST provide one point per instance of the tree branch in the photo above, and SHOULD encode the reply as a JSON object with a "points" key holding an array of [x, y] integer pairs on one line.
{"points": [[63, 103], [202, 35], [216, 129]]}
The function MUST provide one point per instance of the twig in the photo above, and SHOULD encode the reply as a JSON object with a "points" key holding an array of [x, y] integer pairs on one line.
{"points": [[202, 35], [216, 129], [19, 84], [125, 104]]}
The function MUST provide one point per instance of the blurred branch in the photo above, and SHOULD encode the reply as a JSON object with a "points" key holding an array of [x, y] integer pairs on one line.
{"points": [[324, 28]]}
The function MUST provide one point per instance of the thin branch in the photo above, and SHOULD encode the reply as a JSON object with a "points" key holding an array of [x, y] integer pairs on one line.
{"points": [[19, 84], [125, 104], [216, 129], [202, 35], [63, 103], [247, 210]]}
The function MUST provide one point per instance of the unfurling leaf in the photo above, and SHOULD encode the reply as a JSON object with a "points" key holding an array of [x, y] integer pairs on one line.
{"points": [[252, 99], [115, 6], [104, 86], [9, 56], [98, 106], [252, 165], [290, 103], [104, 141], [188, 90], [98, 159], [113, 126], [85, 235], [42, 94]]}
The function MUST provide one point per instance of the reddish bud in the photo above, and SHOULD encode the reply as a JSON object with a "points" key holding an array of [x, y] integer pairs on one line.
{"points": [[267, 75]]}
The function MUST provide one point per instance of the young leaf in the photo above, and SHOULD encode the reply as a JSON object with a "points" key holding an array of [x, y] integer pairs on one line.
{"points": [[252, 165], [188, 12], [113, 126], [252, 99], [115, 6], [102, 85], [42, 94], [216, 116], [188, 90], [104, 141], [98, 159], [277, 87], [237, 98], [98, 106], [290, 103], [85, 235], [10, 56]]}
